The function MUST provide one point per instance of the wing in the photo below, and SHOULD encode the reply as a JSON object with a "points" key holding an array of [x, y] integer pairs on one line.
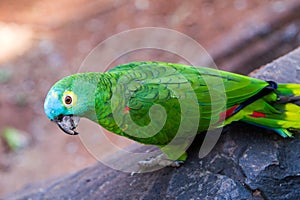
{"points": [[184, 92], [204, 81]]}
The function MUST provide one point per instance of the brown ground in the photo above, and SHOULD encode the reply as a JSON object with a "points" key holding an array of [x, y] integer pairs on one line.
{"points": [[46, 40]]}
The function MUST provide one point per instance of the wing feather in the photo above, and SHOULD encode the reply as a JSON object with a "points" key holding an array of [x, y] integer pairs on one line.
{"points": [[171, 85]]}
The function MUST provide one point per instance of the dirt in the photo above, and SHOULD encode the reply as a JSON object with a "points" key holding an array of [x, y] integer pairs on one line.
{"points": [[59, 36]]}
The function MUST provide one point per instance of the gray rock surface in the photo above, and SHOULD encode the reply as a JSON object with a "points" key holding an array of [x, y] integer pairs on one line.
{"points": [[247, 163]]}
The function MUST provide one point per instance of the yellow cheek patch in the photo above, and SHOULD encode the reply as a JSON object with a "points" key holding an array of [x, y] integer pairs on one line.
{"points": [[73, 98]]}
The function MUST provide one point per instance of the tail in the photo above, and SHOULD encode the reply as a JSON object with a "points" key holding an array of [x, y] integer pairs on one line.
{"points": [[278, 111]]}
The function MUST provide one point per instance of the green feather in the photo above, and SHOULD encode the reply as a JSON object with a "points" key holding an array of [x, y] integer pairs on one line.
{"points": [[144, 101]]}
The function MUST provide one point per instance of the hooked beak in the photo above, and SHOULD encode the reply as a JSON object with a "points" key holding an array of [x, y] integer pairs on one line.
{"points": [[67, 123]]}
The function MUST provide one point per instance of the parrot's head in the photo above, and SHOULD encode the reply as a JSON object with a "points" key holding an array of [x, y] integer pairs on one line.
{"points": [[68, 100]]}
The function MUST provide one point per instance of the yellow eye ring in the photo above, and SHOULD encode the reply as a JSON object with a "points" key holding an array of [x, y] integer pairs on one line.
{"points": [[69, 98]]}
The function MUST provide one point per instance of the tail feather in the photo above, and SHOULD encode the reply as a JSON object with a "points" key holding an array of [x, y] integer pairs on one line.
{"points": [[283, 132], [289, 89], [278, 111]]}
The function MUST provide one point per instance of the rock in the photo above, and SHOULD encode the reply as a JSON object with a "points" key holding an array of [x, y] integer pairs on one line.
{"points": [[282, 70], [248, 162]]}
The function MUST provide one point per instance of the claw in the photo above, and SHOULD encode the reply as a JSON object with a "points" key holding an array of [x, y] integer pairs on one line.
{"points": [[160, 160]]}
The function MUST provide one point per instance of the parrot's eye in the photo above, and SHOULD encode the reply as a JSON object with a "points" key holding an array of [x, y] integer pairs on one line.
{"points": [[68, 100]]}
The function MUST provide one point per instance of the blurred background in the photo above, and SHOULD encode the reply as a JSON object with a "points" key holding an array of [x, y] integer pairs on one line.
{"points": [[42, 41]]}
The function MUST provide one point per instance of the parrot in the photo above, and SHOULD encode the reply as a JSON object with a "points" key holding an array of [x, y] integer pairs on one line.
{"points": [[167, 104]]}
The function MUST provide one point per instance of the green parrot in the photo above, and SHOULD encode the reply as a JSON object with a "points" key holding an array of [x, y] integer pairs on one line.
{"points": [[166, 104]]}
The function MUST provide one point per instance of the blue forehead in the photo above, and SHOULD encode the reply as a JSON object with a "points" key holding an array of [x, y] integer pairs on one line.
{"points": [[53, 105]]}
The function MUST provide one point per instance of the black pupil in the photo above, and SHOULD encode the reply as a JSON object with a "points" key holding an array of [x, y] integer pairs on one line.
{"points": [[68, 100]]}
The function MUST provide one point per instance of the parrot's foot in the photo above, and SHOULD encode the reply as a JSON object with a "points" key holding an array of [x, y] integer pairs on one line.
{"points": [[160, 160]]}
